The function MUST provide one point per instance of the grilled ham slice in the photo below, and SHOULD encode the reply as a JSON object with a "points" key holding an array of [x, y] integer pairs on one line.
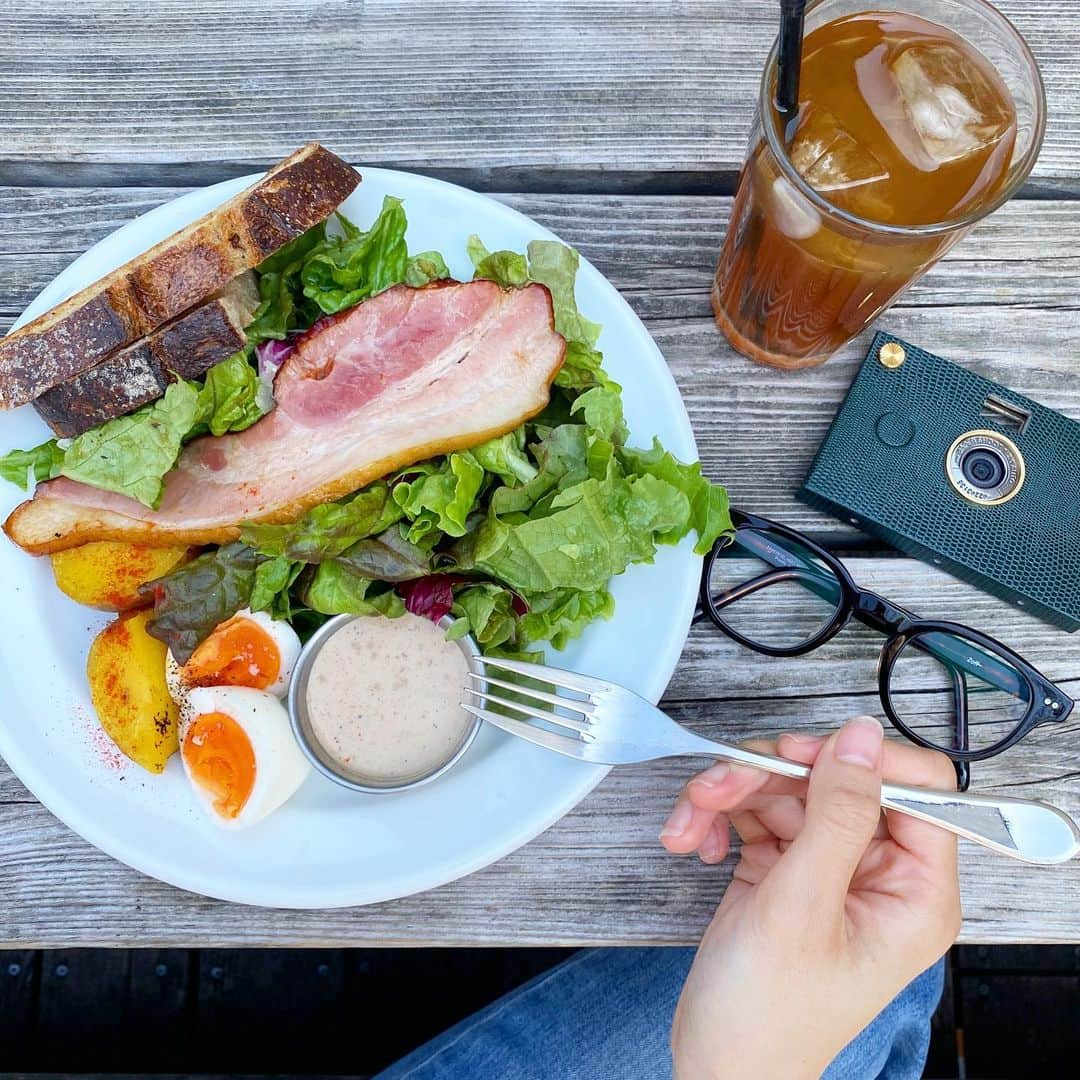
{"points": [[406, 375]]}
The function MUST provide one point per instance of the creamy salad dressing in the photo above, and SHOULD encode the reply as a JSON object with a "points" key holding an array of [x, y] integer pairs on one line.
{"points": [[383, 698]]}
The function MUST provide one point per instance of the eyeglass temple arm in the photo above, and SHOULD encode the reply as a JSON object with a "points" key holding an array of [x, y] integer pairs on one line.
{"points": [[770, 577], [822, 583], [956, 655]]}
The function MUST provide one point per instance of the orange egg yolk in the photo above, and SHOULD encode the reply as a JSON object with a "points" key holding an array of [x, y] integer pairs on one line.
{"points": [[221, 761], [238, 653]]}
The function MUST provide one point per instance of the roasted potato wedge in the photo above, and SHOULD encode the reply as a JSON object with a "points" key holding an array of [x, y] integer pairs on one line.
{"points": [[107, 575], [126, 669]]}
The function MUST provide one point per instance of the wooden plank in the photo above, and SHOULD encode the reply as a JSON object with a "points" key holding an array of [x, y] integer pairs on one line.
{"points": [[19, 969], [1018, 959], [241, 1027], [660, 251], [1019, 1025], [599, 875], [603, 91], [1003, 301], [409, 996], [941, 1056], [82, 997], [157, 1012]]}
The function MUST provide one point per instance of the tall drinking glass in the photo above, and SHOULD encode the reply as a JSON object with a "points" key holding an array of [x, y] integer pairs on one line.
{"points": [[914, 123]]}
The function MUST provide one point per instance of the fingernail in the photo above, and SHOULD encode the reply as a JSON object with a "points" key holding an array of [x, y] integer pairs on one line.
{"points": [[712, 777], [680, 818], [799, 737], [859, 742]]}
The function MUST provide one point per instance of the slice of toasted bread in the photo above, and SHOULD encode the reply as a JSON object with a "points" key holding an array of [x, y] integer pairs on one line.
{"points": [[139, 374], [181, 272]]}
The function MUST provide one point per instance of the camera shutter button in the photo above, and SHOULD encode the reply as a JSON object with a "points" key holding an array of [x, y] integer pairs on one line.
{"points": [[895, 429]]}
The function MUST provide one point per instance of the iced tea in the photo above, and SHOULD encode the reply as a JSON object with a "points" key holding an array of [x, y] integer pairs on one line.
{"points": [[905, 133]]}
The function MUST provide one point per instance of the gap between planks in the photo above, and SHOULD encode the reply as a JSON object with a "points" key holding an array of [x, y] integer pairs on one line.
{"points": [[524, 179]]}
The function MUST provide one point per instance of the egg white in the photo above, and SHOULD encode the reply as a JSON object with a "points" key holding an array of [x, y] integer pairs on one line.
{"points": [[280, 766]]}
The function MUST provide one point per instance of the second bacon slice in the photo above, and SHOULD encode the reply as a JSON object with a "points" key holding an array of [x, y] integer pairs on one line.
{"points": [[404, 376]]}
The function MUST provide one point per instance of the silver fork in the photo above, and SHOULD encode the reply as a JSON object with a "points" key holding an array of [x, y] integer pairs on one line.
{"points": [[610, 725]]}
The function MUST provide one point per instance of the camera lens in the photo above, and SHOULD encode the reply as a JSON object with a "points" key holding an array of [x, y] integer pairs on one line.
{"points": [[984, 468]]}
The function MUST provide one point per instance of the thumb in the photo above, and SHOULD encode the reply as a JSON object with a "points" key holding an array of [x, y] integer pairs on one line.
{"points": [[843, 808]]}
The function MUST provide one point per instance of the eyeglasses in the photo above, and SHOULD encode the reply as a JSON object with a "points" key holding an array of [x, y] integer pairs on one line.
{"points": [[943, 685]]}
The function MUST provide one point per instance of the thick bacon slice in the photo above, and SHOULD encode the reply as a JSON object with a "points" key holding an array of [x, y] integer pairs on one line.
{"points": [[406, 375]]}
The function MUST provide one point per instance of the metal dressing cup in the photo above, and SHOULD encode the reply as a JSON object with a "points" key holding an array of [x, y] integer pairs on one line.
{"points": [[322, 760]]}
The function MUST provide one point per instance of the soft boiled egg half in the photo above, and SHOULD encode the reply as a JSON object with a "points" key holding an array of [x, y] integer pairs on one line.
{"points": [[239, 753], [250, 649], [236, 743]]}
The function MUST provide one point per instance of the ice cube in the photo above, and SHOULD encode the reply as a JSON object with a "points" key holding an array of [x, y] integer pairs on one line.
{"points": [[950, 103], [830, 159], [790, 211]]}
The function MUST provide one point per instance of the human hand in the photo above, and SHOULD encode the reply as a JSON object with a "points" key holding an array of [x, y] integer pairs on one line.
{"points": [[832, 910]]}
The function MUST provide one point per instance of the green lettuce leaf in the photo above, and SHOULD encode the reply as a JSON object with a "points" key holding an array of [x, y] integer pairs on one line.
{"points": [[191, 601], [131, 454], [510, 269], [270, 590], [388, 557], [659, 508], [425, 268], [593, 531], [343, 270], [556, 265], [292, 255], [440, 497], [487, 611], [562, 455], [336, 588], [228, 400], [282, 302], [601, 408], [325, 531], [710, 514], [582, 368], [42, 463], [563, 614], [505, 457]]}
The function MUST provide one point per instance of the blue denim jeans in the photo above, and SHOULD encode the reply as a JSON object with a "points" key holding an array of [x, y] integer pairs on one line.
{"points": [[605, 1014]]}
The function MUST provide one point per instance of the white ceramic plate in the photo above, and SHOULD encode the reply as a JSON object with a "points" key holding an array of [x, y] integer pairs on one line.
{"points": [[329, 847]]}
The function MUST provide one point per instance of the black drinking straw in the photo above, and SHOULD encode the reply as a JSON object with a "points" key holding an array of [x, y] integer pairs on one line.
{"points": [[788, 61]]}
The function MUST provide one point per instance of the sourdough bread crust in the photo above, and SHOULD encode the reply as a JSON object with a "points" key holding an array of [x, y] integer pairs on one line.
{"points": [[174, 276], [140, 373]]}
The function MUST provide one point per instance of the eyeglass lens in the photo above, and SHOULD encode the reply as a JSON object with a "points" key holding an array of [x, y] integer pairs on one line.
{"points": [[934, 670], [772, 590]]}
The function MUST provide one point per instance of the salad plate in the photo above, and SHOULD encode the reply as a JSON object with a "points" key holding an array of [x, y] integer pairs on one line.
{"points": [[329, 847]]}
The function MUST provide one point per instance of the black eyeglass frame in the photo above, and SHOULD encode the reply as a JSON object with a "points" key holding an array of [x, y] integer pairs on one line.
{"points": [[1047, 702]]}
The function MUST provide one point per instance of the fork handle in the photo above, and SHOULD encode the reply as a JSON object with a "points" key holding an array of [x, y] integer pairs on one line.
{"points": [[1025, 829]]}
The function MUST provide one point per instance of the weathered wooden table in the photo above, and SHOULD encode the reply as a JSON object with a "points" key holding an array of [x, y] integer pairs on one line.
{"points": [[621, 126]]}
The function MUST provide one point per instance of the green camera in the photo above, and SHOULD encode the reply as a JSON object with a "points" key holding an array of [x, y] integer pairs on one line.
{"points": [[960, 471]]}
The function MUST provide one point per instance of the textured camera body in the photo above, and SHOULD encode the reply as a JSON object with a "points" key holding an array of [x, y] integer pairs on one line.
{"points": [[886, 464]]}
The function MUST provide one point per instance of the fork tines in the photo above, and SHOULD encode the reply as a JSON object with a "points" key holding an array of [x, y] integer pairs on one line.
{"points": [[567, 680], [579, 709]]}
